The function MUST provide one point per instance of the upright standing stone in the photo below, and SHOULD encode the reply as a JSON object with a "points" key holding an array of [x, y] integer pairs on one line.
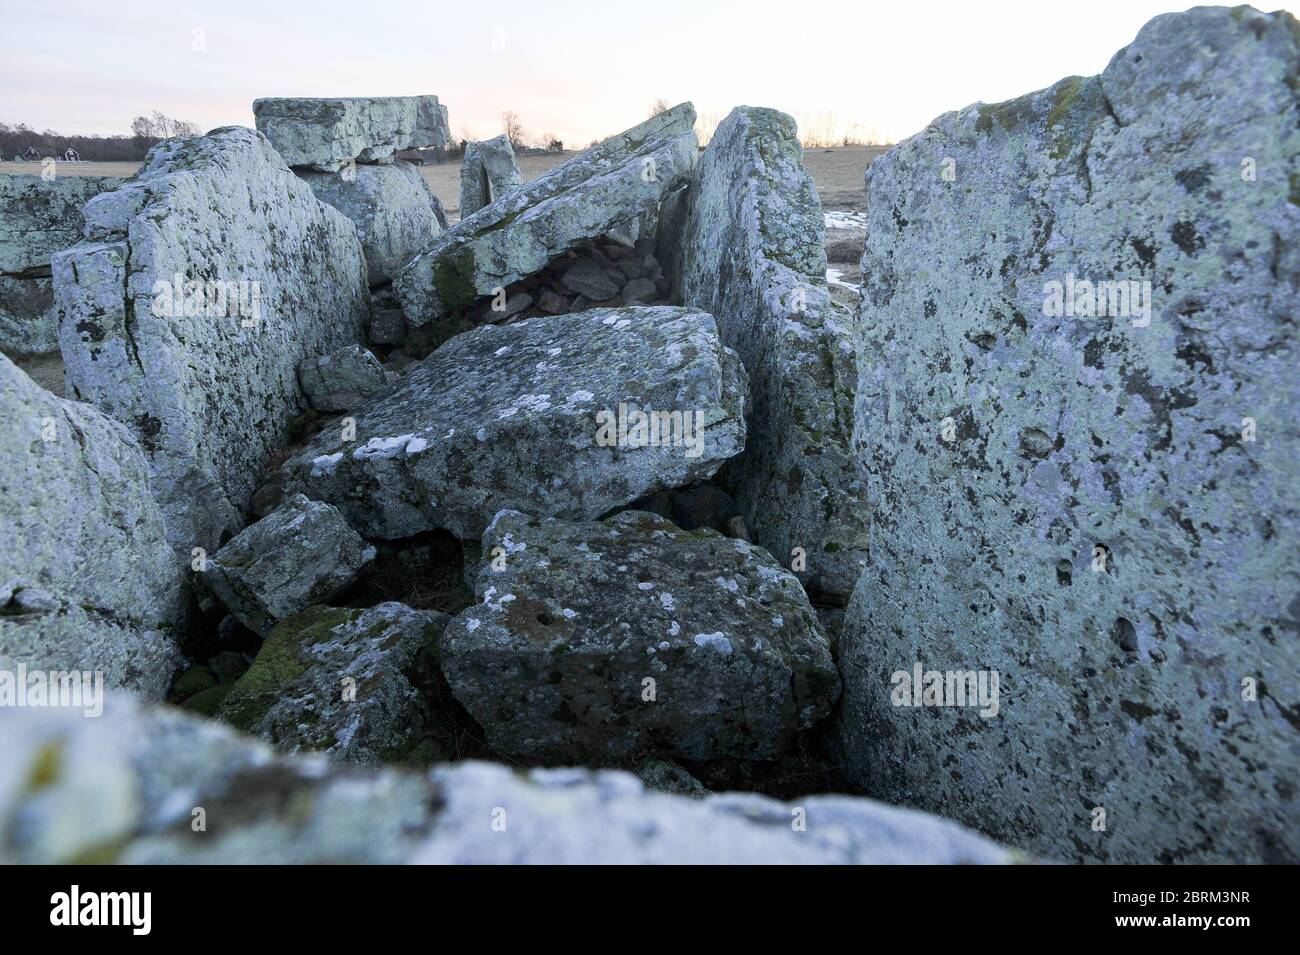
{"points": [[327, 133], [395, 211], [201, 285], [752, 255], [579, 199], [38, 217], [1077, 412], [87, 580], [487, 172]]}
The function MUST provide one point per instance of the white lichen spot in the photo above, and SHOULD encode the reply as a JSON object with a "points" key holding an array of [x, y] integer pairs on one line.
{"points": [[325, 465], [382, 448], [714, 641]]}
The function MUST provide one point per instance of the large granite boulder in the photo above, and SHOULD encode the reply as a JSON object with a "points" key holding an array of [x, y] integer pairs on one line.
{"points": [[1098, 501], [583, 197], [542, 416], [752, 256], [394, 209], [201, 285], [327, 133], [487, 172], [38, 217], [87, 580], [300, 554], [603, 641], [354, 684], [154, 785]]}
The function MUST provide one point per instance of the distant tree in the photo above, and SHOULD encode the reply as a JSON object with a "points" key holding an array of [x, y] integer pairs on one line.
{"points": [[513, 127], [552, 143], [706, 124], [159, 126], [17, 138], [659, 106]]}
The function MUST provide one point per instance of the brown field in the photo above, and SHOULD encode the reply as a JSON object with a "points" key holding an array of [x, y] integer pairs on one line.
{"points": [[123, 169], [838, 173]]}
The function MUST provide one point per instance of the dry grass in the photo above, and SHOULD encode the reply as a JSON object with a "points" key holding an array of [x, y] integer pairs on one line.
{"points": [[122, 169]]}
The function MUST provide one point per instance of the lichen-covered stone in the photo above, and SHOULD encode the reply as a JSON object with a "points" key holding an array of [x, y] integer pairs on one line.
{"points": [[206, 374], [81, 528], [583, 197], [343, 379], [38, 217], [300, 554], [751, 255], [1102, 508], [573, 619], [522, 416], [327, 133], [350, 683], [395, 211], [124, 788], [487, 172]]}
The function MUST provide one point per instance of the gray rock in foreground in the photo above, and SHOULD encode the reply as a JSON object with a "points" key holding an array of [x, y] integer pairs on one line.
{"points": [[583, 197], [327, 133], [395, 211], [351, 683], [300, 554], [752, 256], [38, 217], [1113, 524], [487, 172], [123, 788], [205, 374], [525, 416], [343, 379], [632, 636], [87, 580]]}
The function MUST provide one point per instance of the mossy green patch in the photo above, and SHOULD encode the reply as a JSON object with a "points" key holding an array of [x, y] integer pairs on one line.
{"points": [[192, 681], [207, 702], [46, 767], [278, 664], [453, 279], [1064, 95]]}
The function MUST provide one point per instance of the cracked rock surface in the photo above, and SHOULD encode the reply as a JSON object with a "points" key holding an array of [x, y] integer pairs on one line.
{"points": [[1100, 526], [574, 618], [510, 416]]}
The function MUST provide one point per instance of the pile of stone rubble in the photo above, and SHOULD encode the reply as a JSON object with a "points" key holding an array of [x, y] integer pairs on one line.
{"points": [[346, 505]]}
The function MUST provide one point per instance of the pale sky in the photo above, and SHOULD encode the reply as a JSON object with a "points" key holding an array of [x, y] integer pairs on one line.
{"points": [[581, 69]]}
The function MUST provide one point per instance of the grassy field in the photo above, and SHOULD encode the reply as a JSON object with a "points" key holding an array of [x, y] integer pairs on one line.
{"points": [[838, 173]]}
